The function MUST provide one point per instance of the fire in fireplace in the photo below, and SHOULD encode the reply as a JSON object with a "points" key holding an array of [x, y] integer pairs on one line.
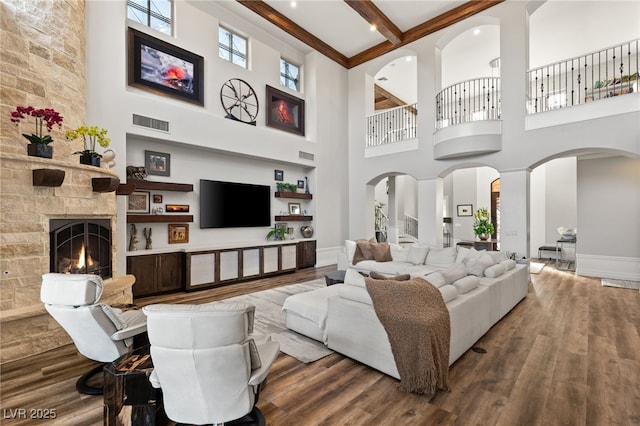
{"points": [[81, 246]]}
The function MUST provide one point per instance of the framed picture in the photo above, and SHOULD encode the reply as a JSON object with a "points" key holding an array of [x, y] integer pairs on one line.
{"points": [[177, 208], [284, 111], [157, 66], [278, 175], [300, 184], [178, 233], [157, 198], [157, 163], [294, 209], [465, 210], [138, 202]]}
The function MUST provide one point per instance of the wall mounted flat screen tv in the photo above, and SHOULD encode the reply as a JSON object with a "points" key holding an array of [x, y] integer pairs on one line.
{"points": [[234, 205]]}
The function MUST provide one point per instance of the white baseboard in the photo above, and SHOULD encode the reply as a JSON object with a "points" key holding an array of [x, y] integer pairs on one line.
{"points": [[327, 256], [616, 267]]}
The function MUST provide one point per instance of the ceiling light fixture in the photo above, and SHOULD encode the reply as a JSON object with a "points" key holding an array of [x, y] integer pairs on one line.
{"points": [[294, 4], [373, 27], [408, 59], [476, 31]]}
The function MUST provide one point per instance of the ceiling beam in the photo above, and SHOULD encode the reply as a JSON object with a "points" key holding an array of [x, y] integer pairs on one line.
{"points": [[377, 18], [278, 19], [422, 30]]}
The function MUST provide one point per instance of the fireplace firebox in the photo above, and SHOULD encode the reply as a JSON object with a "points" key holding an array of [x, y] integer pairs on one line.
{"points": [[81, 246]]}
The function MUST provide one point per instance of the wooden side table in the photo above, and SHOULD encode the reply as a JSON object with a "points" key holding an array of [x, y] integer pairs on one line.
{"points": [[129, 398]]}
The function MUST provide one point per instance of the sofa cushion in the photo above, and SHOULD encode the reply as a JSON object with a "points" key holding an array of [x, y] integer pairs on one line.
{"points": [[417, 254], [436, 279], [355, 293], [498, 256], [381, 252], [454, 273], [389, 268], [353, 277], [441, 256], [364, 251], [462, 254], [466, 284], [350, 247], [378, 276], [399, 253], [494, 271], [509, 264], [448, 292], [477, 265]]}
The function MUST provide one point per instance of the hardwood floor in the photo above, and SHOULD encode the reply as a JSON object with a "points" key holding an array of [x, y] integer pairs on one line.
{"points": [[568, 354]]}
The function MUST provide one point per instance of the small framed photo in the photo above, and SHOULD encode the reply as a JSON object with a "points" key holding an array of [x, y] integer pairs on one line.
{"points": [[157, 198], [178, 233], [278, 175], [177, 208], [300, 184], [465, 210], [138, 202], [294, 209], [157, 163]]}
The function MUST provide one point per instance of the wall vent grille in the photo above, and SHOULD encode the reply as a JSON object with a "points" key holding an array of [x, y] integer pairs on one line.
{"points": [[151, 123], [305, 155]]}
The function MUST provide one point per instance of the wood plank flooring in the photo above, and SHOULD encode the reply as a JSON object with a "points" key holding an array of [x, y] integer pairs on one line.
{"points": [[569, 354]]}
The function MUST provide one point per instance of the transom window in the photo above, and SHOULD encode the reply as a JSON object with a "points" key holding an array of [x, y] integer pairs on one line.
{"points": [[289, 75], [232, 47], [155, 14]]}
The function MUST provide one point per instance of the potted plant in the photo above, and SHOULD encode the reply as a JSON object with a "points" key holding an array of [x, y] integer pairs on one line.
{"points": [[380, 223], [278, 233], [287, 187], [482, 225], [90, 135], [38, 141]]}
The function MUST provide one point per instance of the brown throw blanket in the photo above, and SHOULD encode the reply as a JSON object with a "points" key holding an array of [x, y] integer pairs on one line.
{"points": [[416, 319]]}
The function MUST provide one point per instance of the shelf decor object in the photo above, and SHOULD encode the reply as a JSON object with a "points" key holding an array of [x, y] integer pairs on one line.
{"points": [[168, 70], [48, 177], [239, 101], [138, 202], [157, 163], [44, 118], [285, 111], [105, 184]]}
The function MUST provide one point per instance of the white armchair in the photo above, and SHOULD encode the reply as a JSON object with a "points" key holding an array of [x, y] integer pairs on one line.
{"points": [[100, 332], [207, 364]]}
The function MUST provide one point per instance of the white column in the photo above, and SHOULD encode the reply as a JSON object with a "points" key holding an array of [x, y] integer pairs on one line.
{"points": [[514, 212], [430, 196], [392, 210]]}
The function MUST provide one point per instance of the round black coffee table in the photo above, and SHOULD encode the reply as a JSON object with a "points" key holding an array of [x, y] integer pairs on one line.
{"points": [[334, 277]]}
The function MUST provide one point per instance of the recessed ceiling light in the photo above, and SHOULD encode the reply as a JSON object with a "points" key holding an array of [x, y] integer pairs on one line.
{"points": [[372, 27], [408, 59], [294, 4], [476, 31]]}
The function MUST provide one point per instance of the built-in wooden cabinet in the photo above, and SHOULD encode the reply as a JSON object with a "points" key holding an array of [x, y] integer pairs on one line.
{"points": [[306, 254], [156, 273]]}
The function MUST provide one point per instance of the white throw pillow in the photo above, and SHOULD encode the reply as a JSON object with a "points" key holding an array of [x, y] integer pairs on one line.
{"points": [[466, 284], [353, 277], [498, 256], [494, 271], [399, 253], [454, 273], [477, 265], [463, 253], [444, 257], [509, 264], [417, 254], [448, 292], [436, 279], [350, 247]]}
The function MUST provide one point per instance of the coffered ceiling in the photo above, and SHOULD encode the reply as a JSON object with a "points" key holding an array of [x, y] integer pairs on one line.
{"points": [[352, 32]]}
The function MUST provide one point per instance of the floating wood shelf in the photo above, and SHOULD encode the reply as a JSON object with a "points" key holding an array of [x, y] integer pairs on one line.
{"points": [[294, 218], [48, 177], [105, 184], [161, 186], [159, 218], [125, 188], [298, 195]]}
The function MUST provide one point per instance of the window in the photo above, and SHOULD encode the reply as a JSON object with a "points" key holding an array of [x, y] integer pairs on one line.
{"points": [[232, 47], [289, 75], [155, 14]]}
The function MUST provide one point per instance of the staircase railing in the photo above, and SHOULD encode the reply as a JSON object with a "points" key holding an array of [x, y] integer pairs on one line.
{"points": [[411, 226], [470, 100], [392, 125], [587, 78]]}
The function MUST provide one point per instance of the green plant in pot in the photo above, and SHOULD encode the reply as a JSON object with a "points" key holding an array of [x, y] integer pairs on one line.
{"points": [[287, 187], [482, 226], [38, 141], [277, 233], [90, 136]]}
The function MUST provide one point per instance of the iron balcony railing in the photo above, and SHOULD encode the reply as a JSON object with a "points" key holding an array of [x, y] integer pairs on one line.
{"points": [[411, 226], [470, 100], [587, 78], [392, 125]]}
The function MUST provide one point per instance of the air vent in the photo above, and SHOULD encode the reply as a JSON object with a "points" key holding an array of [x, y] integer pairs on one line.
{"points": [[151, 123], [305, 155]]}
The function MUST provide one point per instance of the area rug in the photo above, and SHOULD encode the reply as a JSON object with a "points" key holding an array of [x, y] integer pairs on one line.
{"points": [[269, 320], [607, 282], [535, 267]]}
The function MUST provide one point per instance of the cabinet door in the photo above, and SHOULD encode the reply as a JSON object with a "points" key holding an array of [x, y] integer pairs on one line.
{"points": [[288, 257], [144, 269], [170, 272], [306, 254]]}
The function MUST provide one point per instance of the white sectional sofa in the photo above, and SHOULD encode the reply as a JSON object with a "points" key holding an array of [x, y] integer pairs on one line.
{"points": [[479, 288]]}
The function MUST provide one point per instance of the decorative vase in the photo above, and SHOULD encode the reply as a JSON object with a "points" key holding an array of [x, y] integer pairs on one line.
{"points": [[39, 150], [483, 236], [89, 160], [306, 231]]}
